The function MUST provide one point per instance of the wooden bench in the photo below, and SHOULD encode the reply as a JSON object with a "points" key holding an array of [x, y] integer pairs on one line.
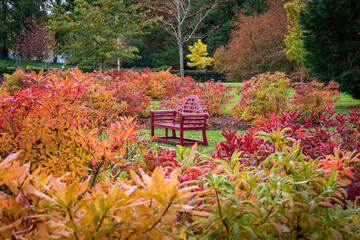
{"points": [[189, 116]]}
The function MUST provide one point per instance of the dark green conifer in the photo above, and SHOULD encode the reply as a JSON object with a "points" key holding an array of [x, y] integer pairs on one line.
{"points": [[332, 42]]}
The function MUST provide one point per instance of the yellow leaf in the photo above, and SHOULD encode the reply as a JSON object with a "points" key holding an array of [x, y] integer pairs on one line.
{"points": [[11, 170]]}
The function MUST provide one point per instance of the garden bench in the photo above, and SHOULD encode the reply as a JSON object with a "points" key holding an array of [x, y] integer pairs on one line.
{"points": [[189, 116]]}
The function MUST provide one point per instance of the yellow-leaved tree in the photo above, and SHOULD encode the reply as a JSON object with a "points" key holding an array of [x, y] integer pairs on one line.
{"points": [[198, 57]]}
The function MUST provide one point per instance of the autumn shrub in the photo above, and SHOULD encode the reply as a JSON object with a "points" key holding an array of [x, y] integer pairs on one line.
{"points": [[150, 81], [55, 130], [153, 82], [213, 96], [287, 197], [103, 107], [38, 206], [320, 134], [16, 80], [263, 94], [314, 96], [128, 93], [114, 76], [138, 88]]}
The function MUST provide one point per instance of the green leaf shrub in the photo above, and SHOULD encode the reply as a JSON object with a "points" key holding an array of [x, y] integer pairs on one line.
{"points": [[263, 94], [16, 80], [287, 197]]}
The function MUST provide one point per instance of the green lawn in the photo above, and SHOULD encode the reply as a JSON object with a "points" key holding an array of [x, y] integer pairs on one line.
{"points": [[36, 65], [212, 137]]}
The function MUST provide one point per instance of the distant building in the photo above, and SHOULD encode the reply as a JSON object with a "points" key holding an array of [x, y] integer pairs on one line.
{"points": [[60, 58]]}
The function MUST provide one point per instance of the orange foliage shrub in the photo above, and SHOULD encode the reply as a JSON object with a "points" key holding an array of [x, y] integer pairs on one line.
{"points": [[38, 206], [56, 131], [153, 82]]}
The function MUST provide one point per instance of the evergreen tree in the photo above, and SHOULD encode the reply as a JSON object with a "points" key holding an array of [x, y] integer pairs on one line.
{"points": [[332, 42]]}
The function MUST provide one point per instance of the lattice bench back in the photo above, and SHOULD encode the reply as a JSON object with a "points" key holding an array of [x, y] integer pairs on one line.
{"points": [[191, 105]]}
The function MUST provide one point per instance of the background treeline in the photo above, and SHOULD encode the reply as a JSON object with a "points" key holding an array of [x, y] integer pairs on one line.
{"points": [[245, 37], [156, 48]]}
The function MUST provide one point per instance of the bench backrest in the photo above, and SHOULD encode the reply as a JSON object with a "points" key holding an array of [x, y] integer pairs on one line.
{"points": [[191, 105]]}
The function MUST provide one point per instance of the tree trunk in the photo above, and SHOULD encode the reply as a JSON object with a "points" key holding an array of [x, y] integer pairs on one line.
{"points": [[180, 41], [301, 75], [181, 58]]}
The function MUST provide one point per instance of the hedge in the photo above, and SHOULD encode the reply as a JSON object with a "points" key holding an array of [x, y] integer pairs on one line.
{"points": [[202, 76]]}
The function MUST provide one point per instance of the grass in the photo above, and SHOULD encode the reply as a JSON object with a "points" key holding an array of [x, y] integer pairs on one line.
{"points": [[35, 65], [212, 137], [11, 64], [346, 100]]}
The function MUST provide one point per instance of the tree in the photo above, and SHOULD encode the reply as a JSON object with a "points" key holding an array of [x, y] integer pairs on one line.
{"points": [[182, 19], [35, 42], [92, 30], [198, 57], [222, 18], [294, 44], [158, 48], [257, 45], [331, 41], [13, 15]]}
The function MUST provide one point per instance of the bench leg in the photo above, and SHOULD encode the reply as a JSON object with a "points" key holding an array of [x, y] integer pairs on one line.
{"points": [[204, 137], [174, 133], [166, 134], [152, 131], [181, 137]]}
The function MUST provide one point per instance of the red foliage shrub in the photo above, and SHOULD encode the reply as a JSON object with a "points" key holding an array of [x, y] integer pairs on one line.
{"points": [[124, 88], [162, 156], [137, 88], [314, 97], [152, 82], [319, 135], [128, 92]]}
